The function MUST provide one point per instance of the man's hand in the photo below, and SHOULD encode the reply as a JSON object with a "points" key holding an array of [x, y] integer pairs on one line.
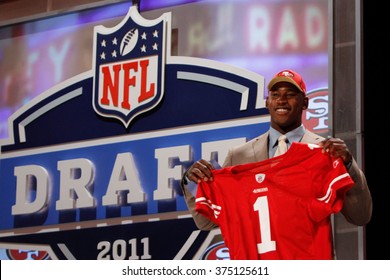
{"points": [[200, 170], [337, 148]]}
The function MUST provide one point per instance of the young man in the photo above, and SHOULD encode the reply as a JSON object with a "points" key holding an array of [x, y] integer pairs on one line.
{"points": [[286, 101]]}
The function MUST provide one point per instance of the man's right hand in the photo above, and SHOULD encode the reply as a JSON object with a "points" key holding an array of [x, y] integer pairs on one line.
{"points": [[200, 170]]}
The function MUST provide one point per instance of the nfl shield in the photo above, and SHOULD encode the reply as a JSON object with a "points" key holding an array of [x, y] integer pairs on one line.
{"points": [[129, 67]]}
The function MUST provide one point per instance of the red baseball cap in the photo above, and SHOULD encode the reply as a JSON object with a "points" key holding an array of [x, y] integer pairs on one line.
{"points": [[288, 76]]}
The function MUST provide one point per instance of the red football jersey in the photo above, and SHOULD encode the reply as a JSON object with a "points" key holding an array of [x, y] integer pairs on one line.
{"points": [[278, 208]]}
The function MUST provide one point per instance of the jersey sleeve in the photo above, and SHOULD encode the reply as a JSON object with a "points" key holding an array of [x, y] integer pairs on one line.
{"points": [[332, 182], [206, 202]]}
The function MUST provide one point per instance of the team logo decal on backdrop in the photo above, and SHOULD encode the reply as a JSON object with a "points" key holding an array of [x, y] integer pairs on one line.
{"points": [[216, 251], [19, 254], [315, 118]]}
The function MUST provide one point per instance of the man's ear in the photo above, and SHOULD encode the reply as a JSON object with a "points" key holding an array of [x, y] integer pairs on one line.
{"points": [[305, 103], [266, 102]]}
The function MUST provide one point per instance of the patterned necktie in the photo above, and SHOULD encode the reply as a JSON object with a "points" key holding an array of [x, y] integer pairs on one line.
{"points": [[282, 146]]}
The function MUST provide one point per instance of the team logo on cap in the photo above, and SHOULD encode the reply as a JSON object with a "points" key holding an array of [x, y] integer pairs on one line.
{"points": [[286, 74], [128, 63]]}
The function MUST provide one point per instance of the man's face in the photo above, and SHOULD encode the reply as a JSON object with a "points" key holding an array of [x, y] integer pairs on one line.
{"points": [[286, 104]]}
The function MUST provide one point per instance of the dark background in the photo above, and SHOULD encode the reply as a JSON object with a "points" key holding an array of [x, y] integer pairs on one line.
{"points": [[376, 124]]}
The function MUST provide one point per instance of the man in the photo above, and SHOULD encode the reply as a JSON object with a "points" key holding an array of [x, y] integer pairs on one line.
{"points": [[286, 102]]}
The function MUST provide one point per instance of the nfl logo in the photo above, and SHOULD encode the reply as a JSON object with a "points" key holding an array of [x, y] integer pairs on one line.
{"points": [[260, 177], [128, 61]]}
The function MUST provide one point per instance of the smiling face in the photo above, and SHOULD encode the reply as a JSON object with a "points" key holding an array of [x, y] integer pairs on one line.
{"points": [[286, 104]]}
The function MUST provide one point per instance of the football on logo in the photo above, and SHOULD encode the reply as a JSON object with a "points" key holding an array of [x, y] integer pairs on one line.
{"points": [[129, 41]]}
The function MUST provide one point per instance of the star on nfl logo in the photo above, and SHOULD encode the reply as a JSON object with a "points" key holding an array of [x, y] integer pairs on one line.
{"points": [[128, 62]]}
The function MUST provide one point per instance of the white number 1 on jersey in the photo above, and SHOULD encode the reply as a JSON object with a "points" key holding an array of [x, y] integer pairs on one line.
{"points": [[266, 245]]}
